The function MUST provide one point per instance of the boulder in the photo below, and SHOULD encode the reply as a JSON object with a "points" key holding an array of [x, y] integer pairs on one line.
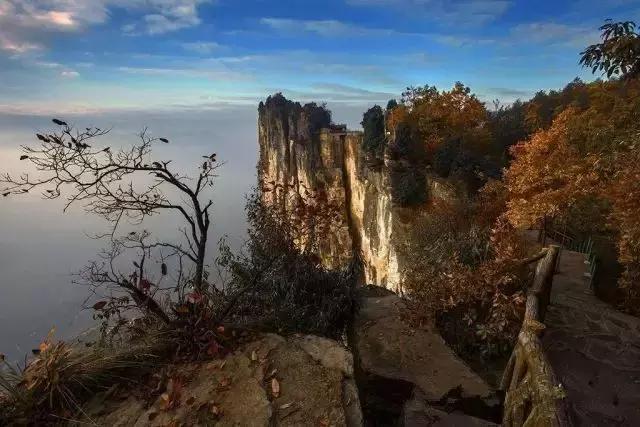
{"points": [[398, 362], [269, 381]]}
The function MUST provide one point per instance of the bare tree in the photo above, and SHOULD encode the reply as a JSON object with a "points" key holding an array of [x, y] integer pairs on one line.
{"points": [[124, 183]]}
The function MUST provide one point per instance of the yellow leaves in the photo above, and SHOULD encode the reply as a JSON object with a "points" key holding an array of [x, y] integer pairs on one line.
{"points": [[548, 174], [44, 346]]}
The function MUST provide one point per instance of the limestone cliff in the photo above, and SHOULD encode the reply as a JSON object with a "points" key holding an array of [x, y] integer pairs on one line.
{"points": [[300, 148]]}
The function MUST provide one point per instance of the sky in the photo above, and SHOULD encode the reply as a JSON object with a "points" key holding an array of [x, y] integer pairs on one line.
{"points": [[79, 56], [194, 71]]}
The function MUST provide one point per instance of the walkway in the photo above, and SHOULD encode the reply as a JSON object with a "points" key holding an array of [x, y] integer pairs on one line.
{"points": [[594, 350]]}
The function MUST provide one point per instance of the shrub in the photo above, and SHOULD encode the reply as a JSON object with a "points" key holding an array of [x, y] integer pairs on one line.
{"points": [[465, 272], [408, 185], [374, 140], [282, 287]]}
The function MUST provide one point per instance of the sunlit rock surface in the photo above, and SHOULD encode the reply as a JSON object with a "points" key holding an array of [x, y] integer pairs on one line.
{"points": [[304, 153], [315, 386]]}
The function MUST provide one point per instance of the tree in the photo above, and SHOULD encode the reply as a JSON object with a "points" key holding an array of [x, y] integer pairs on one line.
{"points": [[374, 140], [298, 294], [623, 191], [124, 183], [441, 116], [547, 174], [619, 53], [507, 127]]}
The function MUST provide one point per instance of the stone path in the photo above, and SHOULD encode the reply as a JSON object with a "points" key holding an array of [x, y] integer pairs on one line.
{"points": [[593, 348]]}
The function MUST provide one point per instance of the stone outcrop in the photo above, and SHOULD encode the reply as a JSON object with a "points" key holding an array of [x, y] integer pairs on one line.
{"points": [[314, 376], [298, 153], [407, 372]]}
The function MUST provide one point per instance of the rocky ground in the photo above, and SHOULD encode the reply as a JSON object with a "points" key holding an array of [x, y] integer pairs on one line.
{"points": [[409, 376], [271, 381], [405, 376]]}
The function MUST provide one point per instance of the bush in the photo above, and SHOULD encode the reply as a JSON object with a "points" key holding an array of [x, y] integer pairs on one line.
{"points": [[408, 185], [374, 140], [281, 287], [465, 273]]}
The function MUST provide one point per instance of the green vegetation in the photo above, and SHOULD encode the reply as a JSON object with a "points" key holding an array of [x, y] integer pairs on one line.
{"points": [[297, 294], [374, 140]]}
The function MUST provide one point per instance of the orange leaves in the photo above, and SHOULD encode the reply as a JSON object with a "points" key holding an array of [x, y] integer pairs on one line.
{"points": [[431, 118], [624, 193], [548, 174], [171, 398]]}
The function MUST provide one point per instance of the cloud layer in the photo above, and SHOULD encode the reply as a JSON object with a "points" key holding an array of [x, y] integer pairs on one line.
{"points": [[26, 25]]}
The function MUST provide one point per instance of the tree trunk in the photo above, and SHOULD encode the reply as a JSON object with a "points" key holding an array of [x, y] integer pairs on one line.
{"points": [[198, 279]]}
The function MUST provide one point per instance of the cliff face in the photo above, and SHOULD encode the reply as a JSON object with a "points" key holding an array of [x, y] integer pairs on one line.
{"points": [[299, 154], [305, 153]]}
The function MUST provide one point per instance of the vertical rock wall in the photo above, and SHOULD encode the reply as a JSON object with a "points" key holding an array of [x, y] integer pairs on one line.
{"points": [[301, 155], [295, 151]]}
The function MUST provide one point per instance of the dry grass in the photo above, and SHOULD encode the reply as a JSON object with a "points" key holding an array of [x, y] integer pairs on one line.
{"points": [[58, 380]]}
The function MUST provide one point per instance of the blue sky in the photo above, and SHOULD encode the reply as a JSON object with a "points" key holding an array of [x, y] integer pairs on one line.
{"points": [[194, 70], [94, 55]]}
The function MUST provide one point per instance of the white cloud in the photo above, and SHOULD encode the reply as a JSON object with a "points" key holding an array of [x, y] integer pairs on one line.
{"points": [[69, 74], [554, 33], [27, 25], [192, 72], [325, 28], [16, 46], [474, 12], [165, 16], [203, 48]]}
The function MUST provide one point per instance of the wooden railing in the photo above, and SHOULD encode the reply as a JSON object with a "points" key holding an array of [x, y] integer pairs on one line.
{"points": [[533, 395], [567, 241]]}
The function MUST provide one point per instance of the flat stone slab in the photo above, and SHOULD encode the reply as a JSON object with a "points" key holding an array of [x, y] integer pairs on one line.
{"points": [[593, 348], [388, 346]]}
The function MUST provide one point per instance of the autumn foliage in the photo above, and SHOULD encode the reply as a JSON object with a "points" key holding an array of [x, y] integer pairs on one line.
{"points": [[583, 170], [438, 116], [547, 174], [465, 270]]}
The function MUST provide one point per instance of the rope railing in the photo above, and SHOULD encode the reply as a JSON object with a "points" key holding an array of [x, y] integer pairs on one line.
{"points": [[533, 395]]}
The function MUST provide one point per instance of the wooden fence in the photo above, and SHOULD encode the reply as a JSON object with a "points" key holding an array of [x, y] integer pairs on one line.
{"points": [[533, 395]]}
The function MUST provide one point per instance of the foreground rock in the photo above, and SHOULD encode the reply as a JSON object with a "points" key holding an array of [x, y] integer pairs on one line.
{"points": [[402, 369], [272, 381]]}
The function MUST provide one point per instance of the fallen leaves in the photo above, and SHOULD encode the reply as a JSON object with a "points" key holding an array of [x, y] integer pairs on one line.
{"points": [[171, 398], [224, 384], [99, 305], [275, 388]]}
